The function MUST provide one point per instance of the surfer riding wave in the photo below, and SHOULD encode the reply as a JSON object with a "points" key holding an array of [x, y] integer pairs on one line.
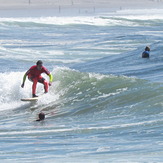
{"points": [[34, 75]]}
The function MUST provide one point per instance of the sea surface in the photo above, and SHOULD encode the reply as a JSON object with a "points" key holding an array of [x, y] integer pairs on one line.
{"points": [[106, 101]]}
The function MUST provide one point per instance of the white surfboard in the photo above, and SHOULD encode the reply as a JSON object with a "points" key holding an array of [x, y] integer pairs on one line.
{"points": [[30, 99]]}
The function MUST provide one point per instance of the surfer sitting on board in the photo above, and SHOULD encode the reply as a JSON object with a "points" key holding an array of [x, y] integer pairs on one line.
{"points": [[146, 52], [34, 75]]}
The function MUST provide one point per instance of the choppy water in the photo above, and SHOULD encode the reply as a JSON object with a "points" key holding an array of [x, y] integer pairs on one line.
{"points": [[105, 104]]}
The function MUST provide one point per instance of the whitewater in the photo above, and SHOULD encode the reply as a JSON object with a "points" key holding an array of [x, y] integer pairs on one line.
{"points": [[105, 103]]}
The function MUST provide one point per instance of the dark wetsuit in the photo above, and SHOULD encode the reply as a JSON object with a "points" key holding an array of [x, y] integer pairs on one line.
{"points": [[145, 54]]}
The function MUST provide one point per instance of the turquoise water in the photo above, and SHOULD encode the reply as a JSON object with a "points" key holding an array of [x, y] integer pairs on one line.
{"points": [[105, 104]]}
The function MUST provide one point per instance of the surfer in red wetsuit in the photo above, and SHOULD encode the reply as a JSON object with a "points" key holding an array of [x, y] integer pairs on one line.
{"points": [[34, 75]]}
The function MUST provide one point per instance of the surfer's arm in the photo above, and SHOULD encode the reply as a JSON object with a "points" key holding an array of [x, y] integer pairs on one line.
{"points": [[50, 78], [24, 78]]}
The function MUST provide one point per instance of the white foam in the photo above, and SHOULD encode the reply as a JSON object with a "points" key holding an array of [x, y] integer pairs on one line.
{"points": [[140, 14], [89, 20], [11, 91]]}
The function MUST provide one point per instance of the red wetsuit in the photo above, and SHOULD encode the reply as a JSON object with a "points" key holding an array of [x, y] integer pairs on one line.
{"points": [[34, 75]]}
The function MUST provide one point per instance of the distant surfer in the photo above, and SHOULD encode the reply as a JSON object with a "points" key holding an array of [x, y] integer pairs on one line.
{"points": [[34, 75], [146, 52], [41, 117]]}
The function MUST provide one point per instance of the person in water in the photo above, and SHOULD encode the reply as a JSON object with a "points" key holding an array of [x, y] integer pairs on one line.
{"points": [[41, 117], [145, 54], [34, 75]]}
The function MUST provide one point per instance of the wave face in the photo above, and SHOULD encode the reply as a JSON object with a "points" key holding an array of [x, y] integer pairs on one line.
{"points": [[105, 99]]}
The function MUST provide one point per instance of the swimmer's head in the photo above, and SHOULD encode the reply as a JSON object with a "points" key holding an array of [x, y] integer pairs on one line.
{"points": [[41, 117], [147, 48]]}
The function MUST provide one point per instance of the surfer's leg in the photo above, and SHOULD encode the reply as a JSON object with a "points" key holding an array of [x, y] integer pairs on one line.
{"points": [[46, 86], [44, 82], [35, 80]]}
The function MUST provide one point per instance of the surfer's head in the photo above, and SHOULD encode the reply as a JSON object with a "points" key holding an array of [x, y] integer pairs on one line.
{"points": [[39, 64], [41, 116], [147, 48]]}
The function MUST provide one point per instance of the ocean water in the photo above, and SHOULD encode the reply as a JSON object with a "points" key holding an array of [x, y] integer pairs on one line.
{"points": [[106, 102]]}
